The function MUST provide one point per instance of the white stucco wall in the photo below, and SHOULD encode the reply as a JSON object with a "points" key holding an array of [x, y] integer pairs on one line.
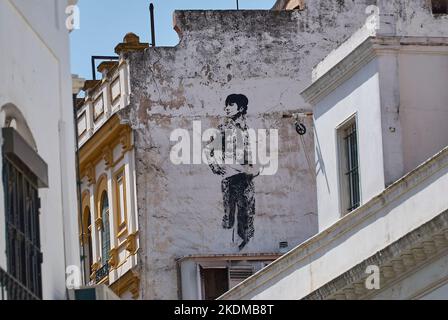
{"points": [[3, 261], [399, 101], [36, 79], [408, 204], [423, 80], [358, 96]]}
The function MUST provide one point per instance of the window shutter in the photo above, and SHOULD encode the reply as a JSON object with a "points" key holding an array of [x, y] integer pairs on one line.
{"points": [[239, 274]]}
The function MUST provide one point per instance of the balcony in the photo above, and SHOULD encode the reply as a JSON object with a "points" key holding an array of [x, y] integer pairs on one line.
{"points": [[102, 273], [12, 289]]}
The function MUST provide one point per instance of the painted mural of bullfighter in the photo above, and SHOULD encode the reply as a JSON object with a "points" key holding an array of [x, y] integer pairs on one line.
{"points": [[234, 165]]}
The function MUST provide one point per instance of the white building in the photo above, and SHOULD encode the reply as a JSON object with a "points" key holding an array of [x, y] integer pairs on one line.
{"points": [[380, 109], [38, 189]]}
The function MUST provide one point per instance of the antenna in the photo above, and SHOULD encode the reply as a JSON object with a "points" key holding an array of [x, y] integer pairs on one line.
{"points": [[237, 5], [153, 29]]}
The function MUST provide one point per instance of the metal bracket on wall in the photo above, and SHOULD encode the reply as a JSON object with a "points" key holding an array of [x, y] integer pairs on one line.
{"points": [[300, 127]]}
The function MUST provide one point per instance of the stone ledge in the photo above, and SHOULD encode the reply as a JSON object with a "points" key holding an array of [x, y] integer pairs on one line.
{"points": [[395, 262], [239, 20]]}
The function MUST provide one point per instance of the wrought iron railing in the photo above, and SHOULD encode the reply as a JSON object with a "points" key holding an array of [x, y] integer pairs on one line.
{"points": [[12, 289], [102, 273]]}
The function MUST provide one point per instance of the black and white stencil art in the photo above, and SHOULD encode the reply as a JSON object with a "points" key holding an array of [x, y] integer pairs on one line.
{"points": [[234, 165]]}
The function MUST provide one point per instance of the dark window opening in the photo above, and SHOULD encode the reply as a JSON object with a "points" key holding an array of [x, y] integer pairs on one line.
{"points": [[87, 243], [24, 172], [105, 233], [215, 282], [103, 272], [439, 6], [350, 193], [22, 204]]}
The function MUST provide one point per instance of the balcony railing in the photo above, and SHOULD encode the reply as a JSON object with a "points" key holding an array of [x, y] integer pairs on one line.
{"points": [[12, 289], [102, 273]]}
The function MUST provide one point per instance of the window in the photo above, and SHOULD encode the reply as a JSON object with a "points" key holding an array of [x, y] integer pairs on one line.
{"points": [[215, 282], [105, 231], [24, 172], [218, 280], [439, 6], [349, 166], [87, 243], [120, 195]]}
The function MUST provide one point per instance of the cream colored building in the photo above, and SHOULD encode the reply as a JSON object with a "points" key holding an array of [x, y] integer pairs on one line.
{"points": [[109, 229]]}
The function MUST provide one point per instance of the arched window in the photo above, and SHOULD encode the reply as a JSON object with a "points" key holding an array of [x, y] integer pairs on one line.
{"points": [[105, 231], [23, 174]]}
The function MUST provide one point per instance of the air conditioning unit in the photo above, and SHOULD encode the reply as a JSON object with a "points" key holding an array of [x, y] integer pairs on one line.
{"points": [[101, 292]]}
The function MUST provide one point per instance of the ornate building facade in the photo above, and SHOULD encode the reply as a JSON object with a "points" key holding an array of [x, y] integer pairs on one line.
{"points": [[109, 220]]}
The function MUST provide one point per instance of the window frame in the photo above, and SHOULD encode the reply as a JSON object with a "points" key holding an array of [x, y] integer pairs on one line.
{"points": [[226, 266], [87, 239], [24, 173], [105, 227], [346, 204], [121, 226]]}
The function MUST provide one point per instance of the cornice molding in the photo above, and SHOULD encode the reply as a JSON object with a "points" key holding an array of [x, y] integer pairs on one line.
{"points": [[339, 73], [396, 262], [363, 54]]}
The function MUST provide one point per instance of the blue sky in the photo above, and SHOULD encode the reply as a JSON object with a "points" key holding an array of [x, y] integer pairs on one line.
{"points": [[104, 23]]}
